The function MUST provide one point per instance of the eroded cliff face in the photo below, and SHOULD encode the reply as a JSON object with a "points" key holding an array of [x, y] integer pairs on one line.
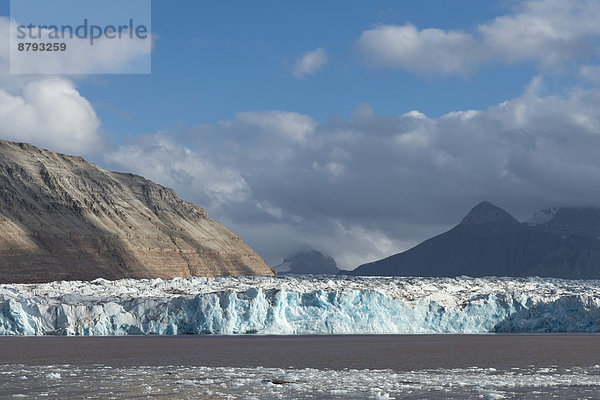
{"points": [[63, 218]]}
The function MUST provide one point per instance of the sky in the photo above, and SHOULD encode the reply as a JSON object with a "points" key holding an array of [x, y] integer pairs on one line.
{"points": [[356, 128]]}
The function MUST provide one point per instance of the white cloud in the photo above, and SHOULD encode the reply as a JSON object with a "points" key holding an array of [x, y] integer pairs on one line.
{"points": [[51, 113], [428, 50], [159, 158], [415, 114], [310, 63], [290, 125], [549, 33]]}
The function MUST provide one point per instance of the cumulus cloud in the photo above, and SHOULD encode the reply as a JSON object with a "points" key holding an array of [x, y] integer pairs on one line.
{"points": [[549, 33], [159, 158], [421, 51], [289, 125], [372, 185], [50, 112], [310, 63]]}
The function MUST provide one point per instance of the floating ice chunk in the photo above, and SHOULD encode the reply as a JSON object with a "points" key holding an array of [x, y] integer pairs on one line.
{"points": [[379, 395]]}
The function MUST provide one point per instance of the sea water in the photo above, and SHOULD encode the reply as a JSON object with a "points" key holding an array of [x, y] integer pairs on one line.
{"points": [[489, 366]]}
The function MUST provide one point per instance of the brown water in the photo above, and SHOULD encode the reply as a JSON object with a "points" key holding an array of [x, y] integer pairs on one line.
{"points": [[328, 367]]}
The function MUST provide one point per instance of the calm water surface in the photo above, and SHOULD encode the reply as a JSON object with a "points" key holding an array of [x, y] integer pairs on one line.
{"points": [[301, 367]]}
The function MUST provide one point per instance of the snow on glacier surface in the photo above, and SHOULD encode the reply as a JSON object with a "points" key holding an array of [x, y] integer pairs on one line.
{"points": [[300, 305]]}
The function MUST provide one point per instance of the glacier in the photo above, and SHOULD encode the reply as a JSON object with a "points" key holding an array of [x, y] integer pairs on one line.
{"points": [[301, 304]]}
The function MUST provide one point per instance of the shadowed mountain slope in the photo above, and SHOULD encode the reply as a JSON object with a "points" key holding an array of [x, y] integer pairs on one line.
{"points": [[489, 241]]}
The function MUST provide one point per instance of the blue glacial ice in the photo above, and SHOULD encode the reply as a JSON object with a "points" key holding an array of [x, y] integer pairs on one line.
{"points": [[300, 305]]}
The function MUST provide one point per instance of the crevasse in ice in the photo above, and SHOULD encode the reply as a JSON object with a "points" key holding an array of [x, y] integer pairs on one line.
{"points": [[300, 305]]}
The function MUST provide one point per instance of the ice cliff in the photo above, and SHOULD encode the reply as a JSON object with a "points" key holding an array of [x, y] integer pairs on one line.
{"points": [[300, 305]]}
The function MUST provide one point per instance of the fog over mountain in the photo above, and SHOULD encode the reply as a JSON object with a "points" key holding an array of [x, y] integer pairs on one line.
{"points": [[308, 262]]}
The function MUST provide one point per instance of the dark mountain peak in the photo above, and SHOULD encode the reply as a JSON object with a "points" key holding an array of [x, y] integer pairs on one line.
{"points": [[560, 243], [487, 213]]}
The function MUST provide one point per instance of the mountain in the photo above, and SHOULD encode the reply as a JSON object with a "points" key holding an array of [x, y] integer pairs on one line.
{"points": [[308, 262], [63, 218], [490, 242], [583, 221]]}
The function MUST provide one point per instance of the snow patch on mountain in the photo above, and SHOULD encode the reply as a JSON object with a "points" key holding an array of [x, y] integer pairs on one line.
{"points": [[542, 216]]}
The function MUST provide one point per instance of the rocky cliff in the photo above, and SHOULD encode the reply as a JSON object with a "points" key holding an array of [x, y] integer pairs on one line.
{"points": [[63, 218]]}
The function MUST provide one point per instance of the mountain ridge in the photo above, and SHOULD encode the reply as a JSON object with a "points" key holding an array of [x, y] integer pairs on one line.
{"points": [[63, 218], [487, 213], [491, 242]]}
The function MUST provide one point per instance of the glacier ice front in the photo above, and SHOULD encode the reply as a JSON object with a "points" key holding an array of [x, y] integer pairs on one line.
{"points": [[300, 305]]}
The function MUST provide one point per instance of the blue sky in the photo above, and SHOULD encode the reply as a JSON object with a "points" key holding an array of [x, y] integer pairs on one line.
{"points": [[356, 128], [213, 60]]}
